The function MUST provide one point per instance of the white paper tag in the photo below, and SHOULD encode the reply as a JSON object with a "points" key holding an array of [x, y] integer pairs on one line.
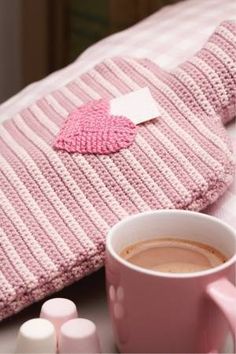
{"points": [[139, 106]]}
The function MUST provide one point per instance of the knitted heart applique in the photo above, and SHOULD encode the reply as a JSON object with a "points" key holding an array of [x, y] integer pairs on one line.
{"points": [[92, 129]]}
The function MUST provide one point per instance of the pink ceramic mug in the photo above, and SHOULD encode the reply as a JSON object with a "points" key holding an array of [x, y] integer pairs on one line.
{"points": [[164, 312]]}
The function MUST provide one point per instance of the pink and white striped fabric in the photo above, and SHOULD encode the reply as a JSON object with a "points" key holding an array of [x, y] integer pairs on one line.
{"points": [[57, 207], [168, 37]]}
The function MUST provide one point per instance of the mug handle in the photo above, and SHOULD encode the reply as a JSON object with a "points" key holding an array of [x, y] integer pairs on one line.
{"points": [[223, 293]]}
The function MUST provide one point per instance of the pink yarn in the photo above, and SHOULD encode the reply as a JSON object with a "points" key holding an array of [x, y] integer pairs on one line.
{"points": [[92, 129], [56, 207]]}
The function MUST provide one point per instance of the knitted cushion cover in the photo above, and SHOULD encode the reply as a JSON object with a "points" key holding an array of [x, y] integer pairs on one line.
{"points": [[56, 207]]}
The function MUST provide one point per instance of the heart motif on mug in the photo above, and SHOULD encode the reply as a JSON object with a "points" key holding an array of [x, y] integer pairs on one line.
{"points": [[91, 129]]}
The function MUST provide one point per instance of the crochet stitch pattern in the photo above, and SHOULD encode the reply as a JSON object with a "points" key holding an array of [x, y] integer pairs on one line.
{"points": [[92, 129], [57, 207]]}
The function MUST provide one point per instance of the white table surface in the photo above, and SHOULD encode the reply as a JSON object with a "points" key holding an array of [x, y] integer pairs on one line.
{"points": [[90, 297]]}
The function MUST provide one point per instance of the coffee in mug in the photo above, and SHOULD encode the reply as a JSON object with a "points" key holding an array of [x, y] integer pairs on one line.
{"points": [[173, 255], [172, 312]]}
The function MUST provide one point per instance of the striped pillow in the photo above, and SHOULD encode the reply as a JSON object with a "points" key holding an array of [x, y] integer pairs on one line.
{"points": [[56, 207]]}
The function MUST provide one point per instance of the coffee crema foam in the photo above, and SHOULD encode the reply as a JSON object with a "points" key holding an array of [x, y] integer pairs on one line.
{"points": [[173, 255]]}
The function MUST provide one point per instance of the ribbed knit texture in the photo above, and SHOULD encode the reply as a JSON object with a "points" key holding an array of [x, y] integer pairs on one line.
{"points": [[57, 207]]}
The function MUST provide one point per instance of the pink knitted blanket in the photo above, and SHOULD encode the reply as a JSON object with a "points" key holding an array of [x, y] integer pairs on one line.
{"points": [[56, 207]]}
